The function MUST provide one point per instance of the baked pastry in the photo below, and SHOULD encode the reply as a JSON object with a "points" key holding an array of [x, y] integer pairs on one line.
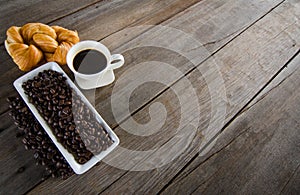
{"points": [[34, 43]]}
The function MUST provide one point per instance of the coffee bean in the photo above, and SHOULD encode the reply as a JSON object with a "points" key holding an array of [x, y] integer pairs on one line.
{"points": [[61, 102], [68, 102], [54, 101], [39, 138], [62, 96], [70, 120], [82, 160], [66, 110], [87, 142], [59, 135], [52, 91], [50, 121]]}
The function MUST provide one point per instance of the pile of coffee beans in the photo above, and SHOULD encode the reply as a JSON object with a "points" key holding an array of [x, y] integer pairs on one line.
{"points": [[35, 138], [71, 121]]}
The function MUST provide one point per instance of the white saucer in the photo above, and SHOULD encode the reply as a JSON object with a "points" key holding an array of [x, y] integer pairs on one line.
{"points": [[107, 78]]}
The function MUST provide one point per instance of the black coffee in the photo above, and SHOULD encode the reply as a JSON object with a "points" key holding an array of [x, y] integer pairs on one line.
{"points": [[89, 62]]}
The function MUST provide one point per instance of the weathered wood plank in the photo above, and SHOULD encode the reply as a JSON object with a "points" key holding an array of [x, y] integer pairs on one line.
{"points": [[155, 14], [293, 185], [6, 121], [260, 48], [239, 95], [19, 12], [18, 170], [230, 135], [259, 152], [97, 22], [106, 17], [205, 24], [101, 20], [189, 21]]}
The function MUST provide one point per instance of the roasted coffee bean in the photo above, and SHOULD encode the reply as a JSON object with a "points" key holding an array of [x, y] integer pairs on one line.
{"points": [[87, 142], [58, 164], [39, 138], [61, 102], [68, 102], [62, 96], [32, 134], [66, 110], [24, 140], [69, 118], [52, 91], [59, 135], [50, 121], [82, 160], [55, 101]]}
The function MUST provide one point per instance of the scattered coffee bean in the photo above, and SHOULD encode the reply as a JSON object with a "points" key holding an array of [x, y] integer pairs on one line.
{"points": [[76, 129], [34, 136], [70, 119]]}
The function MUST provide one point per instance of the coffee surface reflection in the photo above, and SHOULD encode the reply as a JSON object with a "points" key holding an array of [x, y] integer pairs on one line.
{"points": [[89, 62]]}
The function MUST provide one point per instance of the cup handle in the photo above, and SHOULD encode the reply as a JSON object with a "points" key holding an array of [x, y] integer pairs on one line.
{"points": [[120, 61]]}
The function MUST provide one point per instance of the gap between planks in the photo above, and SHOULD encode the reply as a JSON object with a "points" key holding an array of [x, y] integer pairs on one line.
{"points": [[230, 121], [206, 59], [72, 11], [271, 78], [140, 21], [280, 84], [135, 23], [242, 110]]}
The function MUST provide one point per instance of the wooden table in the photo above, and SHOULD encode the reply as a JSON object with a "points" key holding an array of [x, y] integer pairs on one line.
{"points": [[212, 92]]}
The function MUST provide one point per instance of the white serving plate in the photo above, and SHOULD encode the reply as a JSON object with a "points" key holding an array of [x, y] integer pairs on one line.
{"points": [[78, 168]]}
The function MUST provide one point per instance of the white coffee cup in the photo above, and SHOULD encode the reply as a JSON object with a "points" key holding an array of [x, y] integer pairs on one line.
{"points": [[102, 78]]}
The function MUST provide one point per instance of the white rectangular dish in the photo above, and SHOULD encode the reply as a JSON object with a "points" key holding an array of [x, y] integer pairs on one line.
{"points": [[78, 168]]}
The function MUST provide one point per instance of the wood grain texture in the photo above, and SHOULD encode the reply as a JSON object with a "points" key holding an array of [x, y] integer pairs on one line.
{"points": [[19, 12], [97, 22], [189, 22], [238, 66], [154, 13], [259, 152], [292, 186], [156, 179], [18, 170]]}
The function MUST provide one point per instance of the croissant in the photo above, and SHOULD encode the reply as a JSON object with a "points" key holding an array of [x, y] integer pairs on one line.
{"points": [[14, 35], [34, 43], [45, 42], [60, 53], [64, 35], [22, 52], [30, 29]]}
